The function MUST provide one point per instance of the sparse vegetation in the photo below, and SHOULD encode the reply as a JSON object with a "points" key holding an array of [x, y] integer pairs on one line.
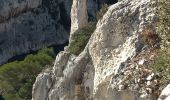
{"points": [[102, 11], [162, 65], [17, 78], [162, 62], [164, 24], [80, 38]]}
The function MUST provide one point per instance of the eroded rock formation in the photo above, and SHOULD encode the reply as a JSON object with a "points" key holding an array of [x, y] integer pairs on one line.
{"points": [[98, 72]]}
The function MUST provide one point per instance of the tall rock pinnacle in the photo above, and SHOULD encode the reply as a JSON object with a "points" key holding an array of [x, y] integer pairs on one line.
{"points": [[79, 17]]}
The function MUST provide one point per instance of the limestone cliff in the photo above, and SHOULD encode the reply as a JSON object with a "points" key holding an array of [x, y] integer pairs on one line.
{"points": [[108, 68], [32, 24]]}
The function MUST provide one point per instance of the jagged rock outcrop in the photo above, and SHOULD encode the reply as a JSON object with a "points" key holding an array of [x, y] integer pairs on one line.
{"points": [[32, 24], [96, 72], [44, 87]]}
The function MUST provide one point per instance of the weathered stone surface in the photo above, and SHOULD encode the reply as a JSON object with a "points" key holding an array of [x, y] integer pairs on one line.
{"points": [[60, 62], [65, 81], [116, 40], [42, 85], [72, 75]]}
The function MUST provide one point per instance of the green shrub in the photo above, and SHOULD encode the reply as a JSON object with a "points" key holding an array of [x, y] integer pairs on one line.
{"points": [[164, 22], [102, 11], [162, 65], [80, 38], [17, 78]]}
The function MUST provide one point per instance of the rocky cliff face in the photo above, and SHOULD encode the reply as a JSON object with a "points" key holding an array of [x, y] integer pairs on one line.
{"points": [[32, 24], [107, 69]]}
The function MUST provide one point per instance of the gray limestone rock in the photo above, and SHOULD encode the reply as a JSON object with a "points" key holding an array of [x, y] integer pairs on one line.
{"points": [[117, 38], [32, 24]]}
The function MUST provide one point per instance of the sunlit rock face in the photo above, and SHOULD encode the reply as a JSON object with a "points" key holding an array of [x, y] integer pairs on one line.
{"points": [[116, 40], [79, 17], [98, 71]]}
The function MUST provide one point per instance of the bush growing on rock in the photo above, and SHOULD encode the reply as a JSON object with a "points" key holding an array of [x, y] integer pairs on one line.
{"points": [[80, 38], [17, 78]]}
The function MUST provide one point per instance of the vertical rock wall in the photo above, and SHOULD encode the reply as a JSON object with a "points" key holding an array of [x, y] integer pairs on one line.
{"points": [[79, 17], [32, 24]]}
